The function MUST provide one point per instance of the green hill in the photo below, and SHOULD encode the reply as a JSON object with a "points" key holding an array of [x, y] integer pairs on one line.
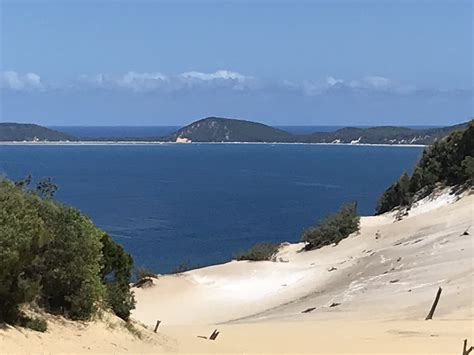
{"points": [[216, 129], [382, 135], [30, 132]]}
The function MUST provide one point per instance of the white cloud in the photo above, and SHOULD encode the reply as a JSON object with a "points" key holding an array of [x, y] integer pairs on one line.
{"points": [[217, 75], [12, 80], [142, 81], [138, 82], [373, 82], [155, 81], [331, 81]]}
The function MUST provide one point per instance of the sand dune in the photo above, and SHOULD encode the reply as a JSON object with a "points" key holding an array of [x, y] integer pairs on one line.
{"points": [[381, 281], [369, 294]]}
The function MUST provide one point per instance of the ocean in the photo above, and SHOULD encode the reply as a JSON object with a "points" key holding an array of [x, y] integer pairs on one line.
{"points": [[203, 203]]}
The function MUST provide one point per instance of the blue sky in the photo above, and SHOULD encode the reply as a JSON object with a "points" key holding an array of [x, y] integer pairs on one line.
{"points": [[279, 62]]}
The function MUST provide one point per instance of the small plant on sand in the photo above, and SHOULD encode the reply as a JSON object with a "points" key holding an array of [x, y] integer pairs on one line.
{"points": [[332, 229], [259, 252], [143, 272], [34, 323], [133, 329]]}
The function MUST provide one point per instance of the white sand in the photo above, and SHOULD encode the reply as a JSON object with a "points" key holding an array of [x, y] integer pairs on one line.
{"points": [[385, 280]]}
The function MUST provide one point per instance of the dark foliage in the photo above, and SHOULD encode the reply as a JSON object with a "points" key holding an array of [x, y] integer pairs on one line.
{"points": [[33, 323], [116, 273], [259, 252], [53, 255], [448, 162], [333, 228], [143, 272]]}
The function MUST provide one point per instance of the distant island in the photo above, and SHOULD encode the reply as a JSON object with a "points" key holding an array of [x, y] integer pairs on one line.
{"points": [[15, 132], [226, 130]]}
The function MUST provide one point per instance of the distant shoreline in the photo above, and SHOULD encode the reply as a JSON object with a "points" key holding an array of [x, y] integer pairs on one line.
{"points": [[125, 143]]}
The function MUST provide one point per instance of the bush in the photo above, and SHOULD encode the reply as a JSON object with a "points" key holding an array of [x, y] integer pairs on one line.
{"points": [[22, 234], [259, 252], [116, 273], [40, 325], [143, 272], [448, 162], [55, 256], [72, 261], [333, 229]]}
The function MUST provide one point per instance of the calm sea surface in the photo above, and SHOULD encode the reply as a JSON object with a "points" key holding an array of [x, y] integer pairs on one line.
{"points": [[203, 203]]}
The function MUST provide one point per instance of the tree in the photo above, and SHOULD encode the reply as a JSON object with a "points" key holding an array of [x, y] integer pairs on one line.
{"points": [[22, 234], [447, 162], [72, 263]]}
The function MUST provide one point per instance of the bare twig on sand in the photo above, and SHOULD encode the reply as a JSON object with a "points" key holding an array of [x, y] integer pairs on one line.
{"points": [[465, 350], [157, 325], [435, 303], [213, 336]]}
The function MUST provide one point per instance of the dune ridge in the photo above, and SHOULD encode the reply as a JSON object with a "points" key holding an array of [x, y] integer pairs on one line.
{"points": [[367, 295]]}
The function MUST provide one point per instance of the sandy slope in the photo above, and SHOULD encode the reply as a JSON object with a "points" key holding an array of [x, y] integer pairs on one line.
{"points": [[384, 280]]}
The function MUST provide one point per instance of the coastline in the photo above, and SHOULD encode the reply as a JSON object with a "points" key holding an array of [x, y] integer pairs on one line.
{"points": [[125, 143]]}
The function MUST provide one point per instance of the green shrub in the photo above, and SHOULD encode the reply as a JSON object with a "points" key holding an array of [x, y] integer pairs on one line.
{"points": [[38, 324], [55, 256], [142, 272], [72, 262], [22, 234], [259, 252], [116, 273], [332, 229]]}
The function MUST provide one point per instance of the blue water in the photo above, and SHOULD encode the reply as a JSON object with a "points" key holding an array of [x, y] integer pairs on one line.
{"points": [[203, 203]]}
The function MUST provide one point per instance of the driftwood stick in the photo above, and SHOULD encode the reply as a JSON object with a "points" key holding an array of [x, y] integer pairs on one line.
{"points": [[157, 325], [466, 351], [435, 303], [214, 335]]}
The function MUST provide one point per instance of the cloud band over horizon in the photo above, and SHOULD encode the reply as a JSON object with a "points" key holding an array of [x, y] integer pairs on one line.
{"points": [[159, 98]]}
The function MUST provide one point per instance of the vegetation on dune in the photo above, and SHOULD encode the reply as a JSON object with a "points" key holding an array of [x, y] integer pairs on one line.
{"points": [[142, 272], [259, 252], [448, 162], [332, 229], [116, 273], [54, 256]]}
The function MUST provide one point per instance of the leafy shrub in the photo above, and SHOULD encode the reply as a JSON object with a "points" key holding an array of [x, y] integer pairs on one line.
{"points": [[38, 324], [448, 162], [55, 256], [142, 272], [116, 273], [332, 229], [72, 261], [22, 234], [259, 252]]}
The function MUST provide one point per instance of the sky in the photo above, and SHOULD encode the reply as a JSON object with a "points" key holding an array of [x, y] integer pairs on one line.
{"points": [[278, 62]]}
